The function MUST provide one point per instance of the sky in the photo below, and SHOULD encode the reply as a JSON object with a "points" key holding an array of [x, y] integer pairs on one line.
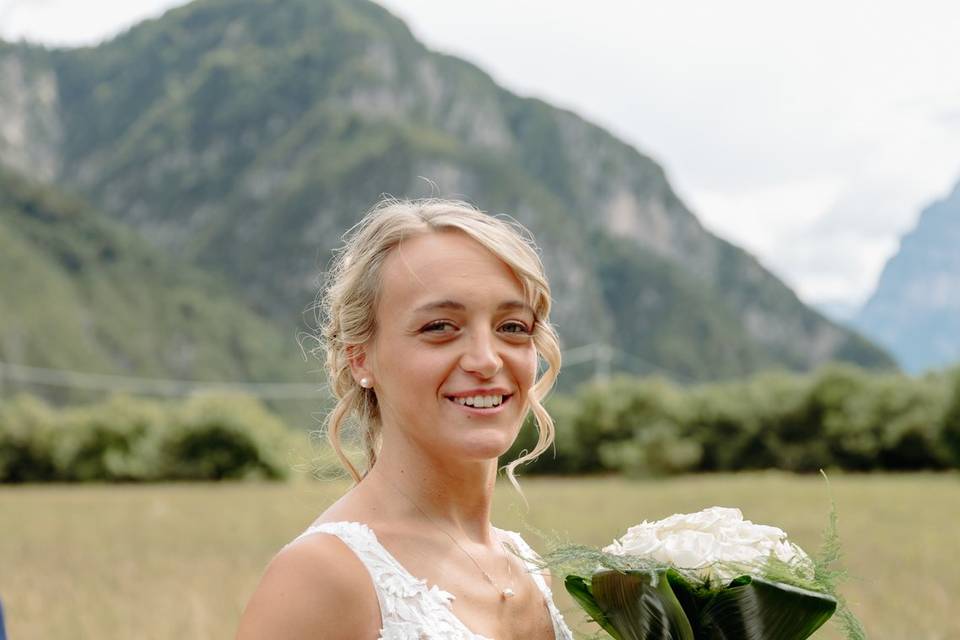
{"points": [[809, 133]]}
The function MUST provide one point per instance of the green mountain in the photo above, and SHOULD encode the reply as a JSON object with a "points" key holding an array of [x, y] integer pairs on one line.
{"points": [[83, 293], [244, 137]]}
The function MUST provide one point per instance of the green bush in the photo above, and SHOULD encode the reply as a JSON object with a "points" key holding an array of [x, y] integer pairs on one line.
{"points": [[655, 450], [28, 428], [124, 439], [216, 437], [621, 411], [117, 440], [951, 422], [742, 425], [910, 414]]}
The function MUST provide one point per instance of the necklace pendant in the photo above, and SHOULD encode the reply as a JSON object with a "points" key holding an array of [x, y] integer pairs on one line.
{"points": [[507, 593]]}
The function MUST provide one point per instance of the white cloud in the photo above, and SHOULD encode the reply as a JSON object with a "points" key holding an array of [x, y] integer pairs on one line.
{"points": [[759, 218], [841, 266], [72, 23]]}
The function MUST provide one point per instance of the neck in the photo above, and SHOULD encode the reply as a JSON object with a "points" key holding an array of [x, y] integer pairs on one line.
{"points": [[454, 495]]}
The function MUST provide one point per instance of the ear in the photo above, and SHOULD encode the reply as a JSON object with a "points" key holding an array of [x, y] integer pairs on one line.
{"points": [[357, 357]]}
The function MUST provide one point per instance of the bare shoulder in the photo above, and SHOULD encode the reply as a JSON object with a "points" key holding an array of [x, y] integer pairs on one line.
{"points": [[313, 588], [528, 553]]}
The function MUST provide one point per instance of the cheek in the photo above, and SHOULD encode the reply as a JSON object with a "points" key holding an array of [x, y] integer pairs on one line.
{"points": [[526, 368], [415, 371]]}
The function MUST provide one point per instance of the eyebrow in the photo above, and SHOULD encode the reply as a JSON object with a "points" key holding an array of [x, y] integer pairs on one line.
{"points": [[509, 305]]}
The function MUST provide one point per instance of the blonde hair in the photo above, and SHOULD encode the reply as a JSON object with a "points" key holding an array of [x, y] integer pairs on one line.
{"points": [[346, 309]]}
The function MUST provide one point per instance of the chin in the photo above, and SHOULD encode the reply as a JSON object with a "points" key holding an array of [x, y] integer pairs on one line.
{"points": [[488, 446]]}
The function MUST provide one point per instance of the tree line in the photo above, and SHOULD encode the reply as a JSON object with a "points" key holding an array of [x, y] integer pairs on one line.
{"points": [[840, 417], [128, 439]]}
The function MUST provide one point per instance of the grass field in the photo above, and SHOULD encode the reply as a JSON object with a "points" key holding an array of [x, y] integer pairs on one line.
{"points": [[179, 561]]}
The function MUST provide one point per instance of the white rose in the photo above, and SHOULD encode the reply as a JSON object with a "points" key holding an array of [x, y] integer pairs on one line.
{"points": [[699, 541]]}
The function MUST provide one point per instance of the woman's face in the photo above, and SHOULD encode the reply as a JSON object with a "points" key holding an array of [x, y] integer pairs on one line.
{"points": [[453, 358]]}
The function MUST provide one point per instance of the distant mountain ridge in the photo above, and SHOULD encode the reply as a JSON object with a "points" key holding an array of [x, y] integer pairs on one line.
{"points": [[245, 136], [915, 309]]}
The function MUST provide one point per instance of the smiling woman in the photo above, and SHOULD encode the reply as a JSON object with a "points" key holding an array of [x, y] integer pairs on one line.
{"points": [[415, 271], [454, 321], [433, 319]]}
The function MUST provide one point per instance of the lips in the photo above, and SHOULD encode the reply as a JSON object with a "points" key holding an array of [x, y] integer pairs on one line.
{"points": [[480, 391]]}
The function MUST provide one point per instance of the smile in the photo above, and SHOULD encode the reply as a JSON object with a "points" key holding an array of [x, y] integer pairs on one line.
{"points": [[481, 404]]}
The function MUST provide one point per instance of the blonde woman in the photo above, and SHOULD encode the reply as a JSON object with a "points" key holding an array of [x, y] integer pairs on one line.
{"points": [[432, 322]]}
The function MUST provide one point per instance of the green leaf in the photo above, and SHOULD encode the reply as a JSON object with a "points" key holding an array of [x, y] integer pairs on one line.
{"points": [[579, 588], [640, 605], [754, 609]]}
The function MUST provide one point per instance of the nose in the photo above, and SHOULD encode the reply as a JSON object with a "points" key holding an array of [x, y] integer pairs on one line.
{"points": [[480, 357]]}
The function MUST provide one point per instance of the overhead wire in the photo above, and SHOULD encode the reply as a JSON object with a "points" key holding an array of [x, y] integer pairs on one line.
{"points": [[601, 355]]}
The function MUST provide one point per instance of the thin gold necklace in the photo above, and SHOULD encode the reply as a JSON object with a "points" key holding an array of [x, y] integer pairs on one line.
{"points": [[505, 593]]}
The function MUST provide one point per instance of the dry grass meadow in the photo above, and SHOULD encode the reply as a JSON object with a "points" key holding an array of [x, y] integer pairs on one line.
{"points": [[179, 561]]}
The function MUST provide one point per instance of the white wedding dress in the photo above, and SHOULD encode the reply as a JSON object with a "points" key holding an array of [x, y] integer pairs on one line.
{"points": [[409, 609]]}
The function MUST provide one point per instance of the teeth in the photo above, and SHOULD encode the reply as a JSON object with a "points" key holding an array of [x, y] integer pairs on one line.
{"points": [[480, 402]]}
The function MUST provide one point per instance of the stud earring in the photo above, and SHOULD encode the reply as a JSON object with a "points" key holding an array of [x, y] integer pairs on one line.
{"points": [[365, 383]]}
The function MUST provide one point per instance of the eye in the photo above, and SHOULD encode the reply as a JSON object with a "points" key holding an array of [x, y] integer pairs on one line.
{"points": [[515, 327], [438, 326]]}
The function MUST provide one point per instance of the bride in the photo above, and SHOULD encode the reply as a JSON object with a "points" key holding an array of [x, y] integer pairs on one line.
{"points": [[433, 318]]}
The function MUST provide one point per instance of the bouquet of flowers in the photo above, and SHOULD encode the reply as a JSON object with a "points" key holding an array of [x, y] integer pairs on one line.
{"points": [[706, 575]]}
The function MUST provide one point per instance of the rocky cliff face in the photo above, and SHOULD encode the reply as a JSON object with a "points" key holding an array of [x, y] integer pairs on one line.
{"points": [[915, 310], [30, 126], [246, 137]]}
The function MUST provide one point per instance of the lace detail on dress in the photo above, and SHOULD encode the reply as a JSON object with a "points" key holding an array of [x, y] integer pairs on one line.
{"points": [[409, 608]]}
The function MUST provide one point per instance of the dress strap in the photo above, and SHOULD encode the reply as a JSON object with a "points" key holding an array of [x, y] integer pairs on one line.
{"points": [[354, 535], [529, 556]]}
